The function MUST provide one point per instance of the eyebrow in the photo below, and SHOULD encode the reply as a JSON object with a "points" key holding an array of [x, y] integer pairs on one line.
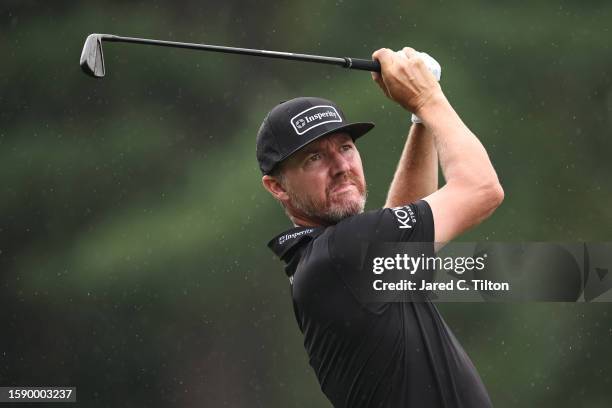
{"points": [[311, 149], [316, 146]]}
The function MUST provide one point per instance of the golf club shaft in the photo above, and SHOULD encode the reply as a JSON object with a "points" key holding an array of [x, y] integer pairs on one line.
{"points": [[346, 62]]}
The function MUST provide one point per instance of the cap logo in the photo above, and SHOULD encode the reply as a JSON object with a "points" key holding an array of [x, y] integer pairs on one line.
{"points": [[313, 117]]}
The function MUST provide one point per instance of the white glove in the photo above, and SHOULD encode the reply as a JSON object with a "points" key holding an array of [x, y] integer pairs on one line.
{"points": [[435, 68]]}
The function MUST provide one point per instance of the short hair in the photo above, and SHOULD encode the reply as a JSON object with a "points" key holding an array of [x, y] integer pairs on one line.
{"points": [[278, 173]]}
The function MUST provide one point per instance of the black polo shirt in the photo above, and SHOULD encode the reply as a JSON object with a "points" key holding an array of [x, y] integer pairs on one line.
{"points": [[391, 354]]}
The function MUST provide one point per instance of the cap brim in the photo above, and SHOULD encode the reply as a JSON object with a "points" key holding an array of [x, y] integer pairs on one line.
{"points": [[355, 130]]}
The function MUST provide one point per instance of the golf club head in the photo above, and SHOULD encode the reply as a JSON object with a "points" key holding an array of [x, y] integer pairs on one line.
{"points": [[92, 57]]}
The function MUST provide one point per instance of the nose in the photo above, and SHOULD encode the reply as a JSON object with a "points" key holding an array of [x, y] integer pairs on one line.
{"points": [[339, 164]]}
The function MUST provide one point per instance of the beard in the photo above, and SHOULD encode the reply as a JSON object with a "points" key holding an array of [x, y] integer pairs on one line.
{"points": [[334, 208]]}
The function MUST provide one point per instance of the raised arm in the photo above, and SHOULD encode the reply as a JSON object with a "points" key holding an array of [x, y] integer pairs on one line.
{"points": [[472, 190], [416, 175]]}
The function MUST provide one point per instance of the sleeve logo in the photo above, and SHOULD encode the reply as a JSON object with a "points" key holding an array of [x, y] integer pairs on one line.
{"points": [[405, 216]]}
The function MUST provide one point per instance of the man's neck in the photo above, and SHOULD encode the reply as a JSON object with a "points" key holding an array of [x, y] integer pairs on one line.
{"points": [[303, 223], [300, 220]]}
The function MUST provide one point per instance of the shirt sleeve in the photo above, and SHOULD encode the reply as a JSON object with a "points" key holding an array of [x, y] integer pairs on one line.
{"points": [[409, 223], [354, 240]]}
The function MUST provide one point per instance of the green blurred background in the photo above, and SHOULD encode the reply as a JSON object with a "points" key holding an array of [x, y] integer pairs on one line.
{"points": [[133, 223]]}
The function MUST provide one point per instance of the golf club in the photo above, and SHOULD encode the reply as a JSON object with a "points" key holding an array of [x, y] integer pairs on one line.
{"points": [[92, 57]]}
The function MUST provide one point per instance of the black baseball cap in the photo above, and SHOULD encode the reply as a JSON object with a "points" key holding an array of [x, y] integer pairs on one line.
{"points": [[293, 124]]}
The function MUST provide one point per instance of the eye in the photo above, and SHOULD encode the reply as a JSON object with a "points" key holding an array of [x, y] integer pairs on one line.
{"points": [[347, 147], [314, 157]]}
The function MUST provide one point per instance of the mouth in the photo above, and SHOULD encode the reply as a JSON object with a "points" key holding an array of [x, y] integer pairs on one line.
{"points": [[344, 187]]}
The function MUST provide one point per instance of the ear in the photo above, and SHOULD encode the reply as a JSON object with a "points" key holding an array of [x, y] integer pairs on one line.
{"points": [[275, 188]]}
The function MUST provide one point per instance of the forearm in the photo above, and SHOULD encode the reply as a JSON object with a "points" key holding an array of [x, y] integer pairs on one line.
{"points": [[416, 175], [463, 158], [472, 190]]}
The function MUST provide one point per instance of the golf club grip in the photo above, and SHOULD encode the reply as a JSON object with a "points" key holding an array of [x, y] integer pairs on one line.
{"points": [[363, 64]]}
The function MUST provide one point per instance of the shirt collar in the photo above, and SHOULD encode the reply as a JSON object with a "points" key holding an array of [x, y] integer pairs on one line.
{"points": [[287, 246], [282, 244]]}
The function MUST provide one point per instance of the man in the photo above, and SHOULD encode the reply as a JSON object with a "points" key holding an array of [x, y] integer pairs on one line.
{"points": [[398, 354]]}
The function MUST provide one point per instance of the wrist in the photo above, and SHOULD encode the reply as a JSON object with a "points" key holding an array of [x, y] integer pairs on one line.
{"points": [[431, 103]]}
